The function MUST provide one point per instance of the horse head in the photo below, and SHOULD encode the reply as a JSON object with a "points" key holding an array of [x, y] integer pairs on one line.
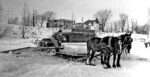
{"points": [[126, 41]]}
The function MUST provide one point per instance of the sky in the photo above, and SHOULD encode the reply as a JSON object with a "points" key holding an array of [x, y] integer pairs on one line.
{"points": [[136, 9]]}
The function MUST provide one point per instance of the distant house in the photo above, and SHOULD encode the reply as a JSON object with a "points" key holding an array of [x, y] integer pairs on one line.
{"points": [[88, 24], [78, 26], [60, 23], [92, 25]]}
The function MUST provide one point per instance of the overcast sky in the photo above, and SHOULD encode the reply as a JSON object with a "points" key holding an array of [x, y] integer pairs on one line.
{"points": [[136, 9]]}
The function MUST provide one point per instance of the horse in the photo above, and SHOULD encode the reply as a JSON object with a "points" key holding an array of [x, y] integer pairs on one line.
{"points": [[126, 42], [147, 43], [106, 46]]}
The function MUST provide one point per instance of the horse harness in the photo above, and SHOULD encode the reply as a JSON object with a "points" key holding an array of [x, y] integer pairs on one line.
{"points": [[109, 44], [125, 45]]}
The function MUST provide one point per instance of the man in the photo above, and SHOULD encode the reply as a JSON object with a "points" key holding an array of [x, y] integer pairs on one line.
{"points": [[56, 39]]}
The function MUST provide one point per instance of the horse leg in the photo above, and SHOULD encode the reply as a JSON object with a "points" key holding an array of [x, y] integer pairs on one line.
{"points": [[146, 45], [102, 57], [88, 52], [107, 60], [92, 56], [129, 48], [118, 60], [102, 61], [114, 60], [88, 56]]}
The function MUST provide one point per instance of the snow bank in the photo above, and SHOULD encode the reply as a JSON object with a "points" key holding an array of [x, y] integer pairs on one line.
{"points": [[139, 49], [15, 43]]}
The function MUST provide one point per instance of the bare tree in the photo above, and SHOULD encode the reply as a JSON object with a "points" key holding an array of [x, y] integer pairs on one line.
{"points": [[103, 17], [123, 19], [13, 20], [35, 18], [2, 13], [49, 15], [134, 24], [115, 26], [24, 18], [42, 19], [146, 28], [25, 14], [139, 29], [3, 18], [111, 27]]}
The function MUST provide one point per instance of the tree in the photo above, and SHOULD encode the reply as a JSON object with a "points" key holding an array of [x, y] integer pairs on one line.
{"points": [[35, 18], [13, 20], [26, 15], [2, 14], [134, 24], [117, 25], [146, 29], [49, 15], [24, 18], [139, 29], [103, 17], [3, 18], [123, 19]]}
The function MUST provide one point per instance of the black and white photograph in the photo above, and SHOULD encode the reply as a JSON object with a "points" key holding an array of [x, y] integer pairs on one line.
{"points": [[74, 38]]}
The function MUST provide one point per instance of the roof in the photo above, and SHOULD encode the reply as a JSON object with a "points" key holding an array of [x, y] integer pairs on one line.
{"points": [[56, 20], [79, 24], [91, 21]]}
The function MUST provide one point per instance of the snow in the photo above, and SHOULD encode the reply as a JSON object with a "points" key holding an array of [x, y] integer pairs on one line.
{"points": [[138, 47], [129, 69], [15, 43]]}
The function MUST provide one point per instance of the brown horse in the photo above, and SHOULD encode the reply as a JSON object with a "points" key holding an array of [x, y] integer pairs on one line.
{"points": [[126, 40], [106, 46]]}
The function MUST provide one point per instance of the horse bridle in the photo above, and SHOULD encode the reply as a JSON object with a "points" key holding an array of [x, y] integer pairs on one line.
{"points": [[125, 41], [126, 45]]}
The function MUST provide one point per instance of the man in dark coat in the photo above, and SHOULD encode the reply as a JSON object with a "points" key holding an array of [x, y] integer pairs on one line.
{"points": [[56, 39]]}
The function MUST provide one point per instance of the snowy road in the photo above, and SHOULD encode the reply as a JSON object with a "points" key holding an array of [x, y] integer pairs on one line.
{"points": [[136, 64]]}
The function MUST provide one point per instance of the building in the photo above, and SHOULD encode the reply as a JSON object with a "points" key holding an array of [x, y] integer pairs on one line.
{"points": [[60, 23], [92, 25], [78, 26]]}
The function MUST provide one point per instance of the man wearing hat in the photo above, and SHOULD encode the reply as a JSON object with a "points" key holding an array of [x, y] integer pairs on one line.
{"points": [[56, 39]]}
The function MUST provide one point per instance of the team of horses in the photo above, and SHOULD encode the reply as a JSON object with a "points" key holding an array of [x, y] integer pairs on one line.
{"points": [[108, 46]]}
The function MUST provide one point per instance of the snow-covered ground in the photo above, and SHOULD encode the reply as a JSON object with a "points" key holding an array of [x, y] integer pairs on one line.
{"points": [[15, 43], [32, 65], [138, 47]]}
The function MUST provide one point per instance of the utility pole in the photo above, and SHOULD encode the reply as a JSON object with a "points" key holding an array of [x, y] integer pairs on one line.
{"points": [[82, 20], [72, 17], [148, 22]]}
